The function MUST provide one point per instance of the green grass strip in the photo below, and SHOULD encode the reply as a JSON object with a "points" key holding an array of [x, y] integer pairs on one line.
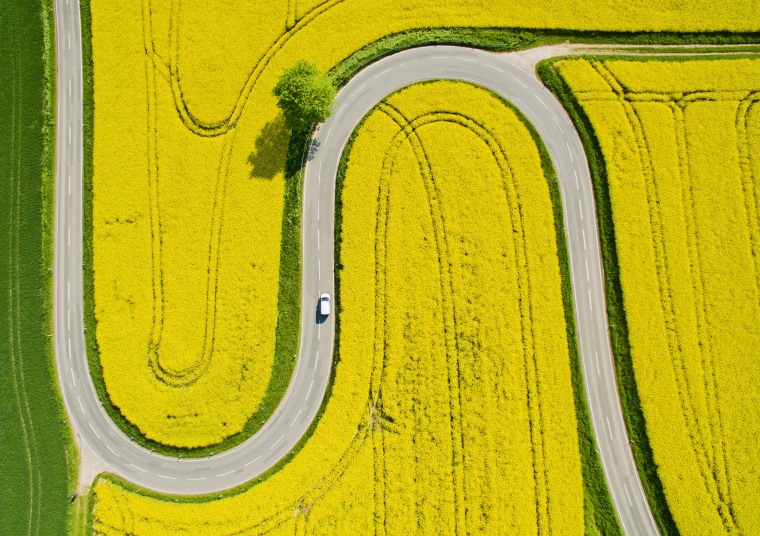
{"points": [[618, 325], [39, 460], [288, 325]]}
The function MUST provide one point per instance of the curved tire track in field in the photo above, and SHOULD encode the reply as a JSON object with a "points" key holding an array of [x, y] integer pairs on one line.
{"points": [[303, 398]]}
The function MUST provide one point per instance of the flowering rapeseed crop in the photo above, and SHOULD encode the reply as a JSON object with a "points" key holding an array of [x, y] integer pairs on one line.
{"points": [[455, 414], [188, 159], [681, 141]]}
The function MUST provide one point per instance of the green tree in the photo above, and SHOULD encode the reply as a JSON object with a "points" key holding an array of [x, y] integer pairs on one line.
{"points": [[304, 96]]}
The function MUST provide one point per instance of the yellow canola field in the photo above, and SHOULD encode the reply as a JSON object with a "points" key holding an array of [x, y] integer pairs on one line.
{"points": [[681, 141], [188, 185], [185, 269], [452, 407], [186, 251]]}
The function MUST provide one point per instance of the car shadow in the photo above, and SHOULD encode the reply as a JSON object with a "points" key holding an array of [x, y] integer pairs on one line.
{"points": [[319, 317]]}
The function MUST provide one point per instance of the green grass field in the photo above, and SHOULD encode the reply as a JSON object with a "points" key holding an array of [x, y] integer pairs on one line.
{"points": [[36, 465]]}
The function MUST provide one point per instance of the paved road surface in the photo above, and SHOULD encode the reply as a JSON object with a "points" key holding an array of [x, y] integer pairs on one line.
{"points": [[303, 398]]}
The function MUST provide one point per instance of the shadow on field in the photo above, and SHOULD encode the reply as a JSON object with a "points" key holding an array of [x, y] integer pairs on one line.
{"points": [[268, 156]]}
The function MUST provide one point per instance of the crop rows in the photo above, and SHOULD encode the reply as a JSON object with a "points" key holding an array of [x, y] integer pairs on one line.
{"points": [[682, 159], [409, 133], [174, 236], [38, 458]]}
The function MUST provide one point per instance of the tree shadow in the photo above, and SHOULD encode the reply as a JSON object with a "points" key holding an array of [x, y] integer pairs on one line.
{"points": [[268, 156], [313, 147]]}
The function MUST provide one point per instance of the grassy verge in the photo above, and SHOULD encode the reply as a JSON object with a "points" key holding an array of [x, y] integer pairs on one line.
{"points": [[288, 325], [627, 389], [289, 297], [39, 462]]}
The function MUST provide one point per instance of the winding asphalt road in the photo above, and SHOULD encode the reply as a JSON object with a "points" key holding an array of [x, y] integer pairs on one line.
{"points": [[297, 410]]}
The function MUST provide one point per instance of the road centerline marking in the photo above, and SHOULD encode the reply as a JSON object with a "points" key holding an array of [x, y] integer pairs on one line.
{"points": [[296, 417], [310, 387], [625, 486], [275, 443], [519, 82], [93, 430], [138, 468], [253, 460]]}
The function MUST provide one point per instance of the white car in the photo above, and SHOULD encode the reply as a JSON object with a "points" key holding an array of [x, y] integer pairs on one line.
{"points": [[324, 304]]}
